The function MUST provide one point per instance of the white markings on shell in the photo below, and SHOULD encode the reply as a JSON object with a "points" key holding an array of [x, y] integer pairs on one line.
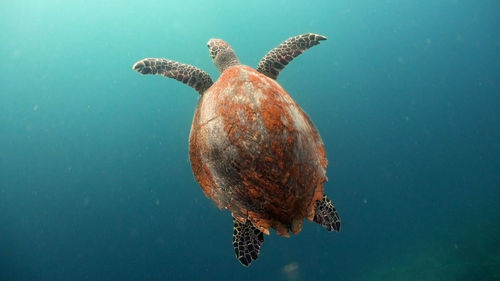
{"points": [[256, 90], [211, 122], [305, 132], [299, 121], [212, 128]]}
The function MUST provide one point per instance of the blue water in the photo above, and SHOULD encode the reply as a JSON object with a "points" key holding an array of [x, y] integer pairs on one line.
{"points": [[95, 180]]}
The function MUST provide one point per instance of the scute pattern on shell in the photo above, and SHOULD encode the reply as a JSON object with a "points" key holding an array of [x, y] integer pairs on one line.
{"points": [[254, 151]]}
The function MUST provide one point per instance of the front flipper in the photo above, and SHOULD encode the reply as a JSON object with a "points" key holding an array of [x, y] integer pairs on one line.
{"points": [[326, 215], [246, 241], [274, 61], [187, 74]]}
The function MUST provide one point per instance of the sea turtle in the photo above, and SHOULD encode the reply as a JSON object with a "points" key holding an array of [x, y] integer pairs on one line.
{"points": [[253, 150]]}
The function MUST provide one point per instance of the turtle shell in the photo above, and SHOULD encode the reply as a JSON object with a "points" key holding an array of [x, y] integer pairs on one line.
{"points": [[255, 152]]}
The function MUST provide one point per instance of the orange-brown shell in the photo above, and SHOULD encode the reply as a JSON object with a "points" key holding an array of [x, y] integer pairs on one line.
{"points": [[255, 152]]}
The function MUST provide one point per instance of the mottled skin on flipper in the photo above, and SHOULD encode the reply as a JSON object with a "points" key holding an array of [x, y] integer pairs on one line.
{"points": [[246, 241], [187, 74], [276, 59], [326, 214]]}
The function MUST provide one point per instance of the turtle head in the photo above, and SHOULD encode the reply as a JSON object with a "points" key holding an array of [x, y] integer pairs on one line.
{"points": [[222, 54]]}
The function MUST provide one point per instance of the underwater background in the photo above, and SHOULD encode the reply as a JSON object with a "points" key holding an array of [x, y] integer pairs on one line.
{"points": [[95, 180]]}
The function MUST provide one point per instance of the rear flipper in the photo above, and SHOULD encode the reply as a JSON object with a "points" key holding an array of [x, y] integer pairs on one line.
{"points": [[326, 215], [246, 241]]}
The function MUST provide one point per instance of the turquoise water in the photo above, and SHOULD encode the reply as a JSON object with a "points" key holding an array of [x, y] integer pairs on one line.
{"points": [[95, 180]]}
